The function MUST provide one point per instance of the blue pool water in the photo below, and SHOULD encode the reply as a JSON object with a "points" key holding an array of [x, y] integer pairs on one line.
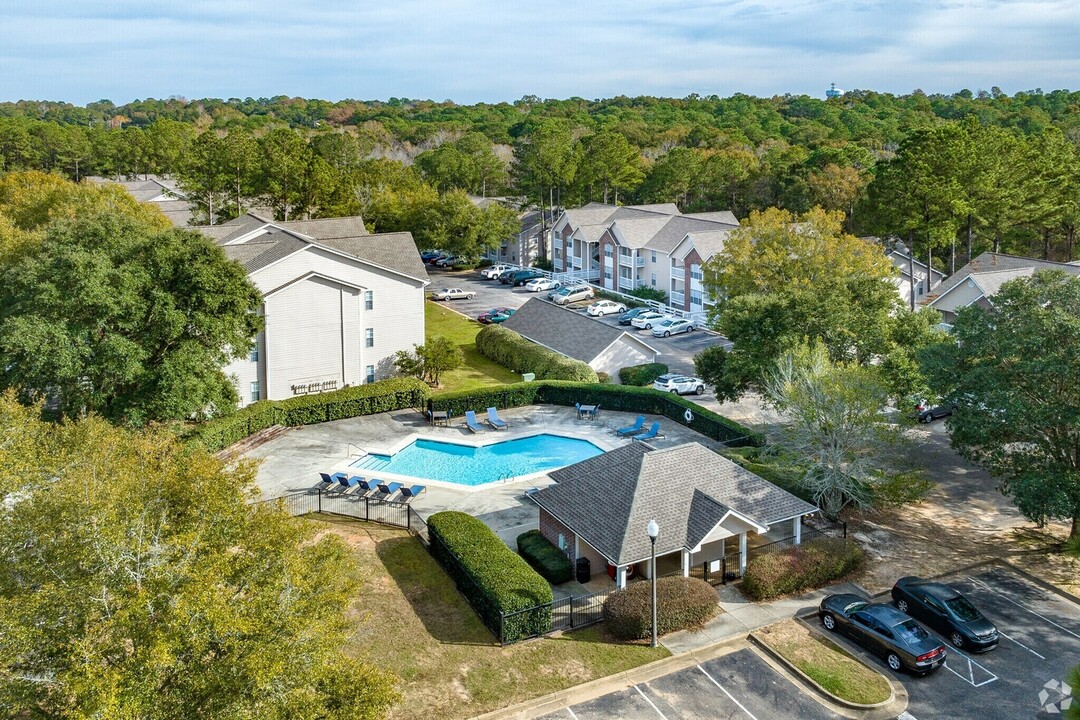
{"points": [[465, 465]]}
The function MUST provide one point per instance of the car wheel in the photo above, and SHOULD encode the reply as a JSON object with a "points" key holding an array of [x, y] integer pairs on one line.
{"points": [[829, 622], [674, 391], [929, 418], [957, 639], [690, 329], [667, 334], [470, 296], [894, 662], [699, 390], [902, 606]]}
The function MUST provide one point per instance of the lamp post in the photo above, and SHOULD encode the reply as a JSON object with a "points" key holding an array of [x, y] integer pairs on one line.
{"points": [[653, 529]]}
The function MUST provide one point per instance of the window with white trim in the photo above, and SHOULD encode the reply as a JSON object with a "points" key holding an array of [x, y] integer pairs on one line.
{"points": [[369, 374], [255, 391], [369, 337], [369, 299]]}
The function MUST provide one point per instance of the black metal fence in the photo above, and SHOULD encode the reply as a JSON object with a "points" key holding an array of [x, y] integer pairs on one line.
{"points": [[567, 613], [360, 507]]}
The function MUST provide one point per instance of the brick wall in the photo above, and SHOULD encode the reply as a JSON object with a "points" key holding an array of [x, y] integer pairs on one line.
{"points": [[550, 528]]}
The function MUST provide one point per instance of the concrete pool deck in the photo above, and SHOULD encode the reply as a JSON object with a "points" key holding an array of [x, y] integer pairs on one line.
{"points": [[293, 460]]}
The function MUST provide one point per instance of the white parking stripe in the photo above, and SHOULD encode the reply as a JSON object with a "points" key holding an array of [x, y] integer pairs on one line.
{"points": [[724, 690], [906, 716], [1021, 645], [1046, 619], [971, 669], [572, 715], [650, 702]]}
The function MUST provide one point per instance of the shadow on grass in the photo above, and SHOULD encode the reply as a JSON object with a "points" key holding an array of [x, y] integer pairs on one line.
{"points": [[445, 614]]}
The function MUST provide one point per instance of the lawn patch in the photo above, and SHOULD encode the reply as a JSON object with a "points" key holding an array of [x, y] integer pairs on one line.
{"points": [[477, 371]]}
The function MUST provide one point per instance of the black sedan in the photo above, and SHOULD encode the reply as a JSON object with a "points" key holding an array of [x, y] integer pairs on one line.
{"points": [[947, 611], [931, 414], [884, 631], [632, 313]]}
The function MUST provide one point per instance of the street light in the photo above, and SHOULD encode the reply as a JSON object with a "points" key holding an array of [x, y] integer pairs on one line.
{"points": [[653, 529]]}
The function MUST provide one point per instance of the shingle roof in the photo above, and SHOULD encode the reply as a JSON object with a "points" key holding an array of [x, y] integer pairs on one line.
{"points": [[723, 216], [566, 331], [609, 499], [264, 250], [995, 262], [637, 232], [393, 251], [710, 243], [672, 233], [325, 228]]}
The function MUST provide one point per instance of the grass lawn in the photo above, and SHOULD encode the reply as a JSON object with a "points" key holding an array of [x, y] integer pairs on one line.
{"points": [[411, 622], [828, 665], [477, 371]]}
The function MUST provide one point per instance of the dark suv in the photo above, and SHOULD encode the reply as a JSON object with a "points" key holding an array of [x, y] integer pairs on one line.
{"points": [[520, 277]]}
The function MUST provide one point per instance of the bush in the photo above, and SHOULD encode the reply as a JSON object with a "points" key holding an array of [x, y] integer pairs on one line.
{"points": [[603, 378], [543, 264], [491, 576], [681, 602], [641, 374], [512, 351], [647, 292], [801, 568], [545, 558]]}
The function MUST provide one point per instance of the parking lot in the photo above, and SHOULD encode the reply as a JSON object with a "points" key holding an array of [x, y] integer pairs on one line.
{"points": [[677, 352]]}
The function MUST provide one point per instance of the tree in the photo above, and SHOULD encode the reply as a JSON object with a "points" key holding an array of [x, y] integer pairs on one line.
{"points": [[113, 317], [609, 164], [1012, 371], [205, 174], [139, 580], [1073, 681], [428, 362], [283, 160]]}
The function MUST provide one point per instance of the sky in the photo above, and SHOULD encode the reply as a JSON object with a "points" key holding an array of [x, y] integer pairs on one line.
{"points": [[472, 51]]}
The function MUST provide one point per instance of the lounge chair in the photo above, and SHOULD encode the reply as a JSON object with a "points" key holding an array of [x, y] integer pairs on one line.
{"points": [[494, 420], [347, 482], [389, 488], [411, 492], [471, 422], [654, 432], [632, 429], [368, 485], [326, 478]]}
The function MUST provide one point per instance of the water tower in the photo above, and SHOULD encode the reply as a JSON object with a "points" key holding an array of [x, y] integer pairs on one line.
{"points": [[833, 92]]}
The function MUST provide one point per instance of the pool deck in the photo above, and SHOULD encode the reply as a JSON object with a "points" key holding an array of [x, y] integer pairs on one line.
{"points": [[292, 461]]}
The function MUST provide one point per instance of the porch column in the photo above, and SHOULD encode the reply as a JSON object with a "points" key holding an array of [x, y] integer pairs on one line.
{"points": [[686, 563], [620, 577], [796, 530], [742, 552]]}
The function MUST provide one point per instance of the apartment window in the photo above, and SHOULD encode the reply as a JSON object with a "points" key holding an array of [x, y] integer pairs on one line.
{"points": [[607, 251], [695, 272], [369, 337], [653, 260], [654, 279], [369, 374], [558, 252], [695, 297], [254, 355], [369, 299], [255, 391], [607, 274]]}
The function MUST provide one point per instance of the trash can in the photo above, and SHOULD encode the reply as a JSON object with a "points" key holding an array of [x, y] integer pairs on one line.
{"points": [[584, 570]]}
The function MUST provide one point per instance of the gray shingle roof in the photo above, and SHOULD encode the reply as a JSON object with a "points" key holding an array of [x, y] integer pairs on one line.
{"points": [[264, 250], [566, 331], [678, 227], [995, 262], [708, 244], [609, 499]]}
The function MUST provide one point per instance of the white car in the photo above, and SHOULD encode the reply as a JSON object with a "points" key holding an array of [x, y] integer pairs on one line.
{"points": [[572, 286], [679, 384], [574, 294], [453, 294], [541, 284], [494, 271], [605, 307], [674, 326], [646, 320]]}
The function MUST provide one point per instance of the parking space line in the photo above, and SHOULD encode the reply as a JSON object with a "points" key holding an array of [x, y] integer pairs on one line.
{"points": [[1020, 644], [906, 716], [971, 670], [642, 693], [572, 715], [1045, 619], [724, 690]]}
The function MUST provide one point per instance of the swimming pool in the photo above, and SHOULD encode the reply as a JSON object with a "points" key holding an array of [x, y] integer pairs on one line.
{"points": [[475, 465]]}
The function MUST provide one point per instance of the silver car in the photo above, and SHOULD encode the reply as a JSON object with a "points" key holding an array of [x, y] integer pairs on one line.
{"points": [[674, 326], [679, 384], [569, 295], [646, 320], [453, 294]]}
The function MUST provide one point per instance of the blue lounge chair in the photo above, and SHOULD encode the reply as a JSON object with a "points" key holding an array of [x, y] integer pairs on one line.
{"points": [[368, 485], [494, 420], [347, 482], [654, 432], [632, 429], [326, 478], [389, 488], [471, 422], [411, 492]]}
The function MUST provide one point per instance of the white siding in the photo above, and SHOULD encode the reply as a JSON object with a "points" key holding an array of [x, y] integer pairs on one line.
{"points": [[306, 336], [245, 371], [619, 354]]}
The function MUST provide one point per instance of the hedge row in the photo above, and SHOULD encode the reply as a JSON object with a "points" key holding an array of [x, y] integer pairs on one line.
{"points": [[681, 602], [641, 374], [491, 576], [511, 350], [801, 568], [544, 557], [622, 398], [382, 396]]}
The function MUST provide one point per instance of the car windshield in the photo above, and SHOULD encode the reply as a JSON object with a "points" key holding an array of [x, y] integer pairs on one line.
{"points": [[962, 609], [854, 607], [910, 631], [666, 323]]}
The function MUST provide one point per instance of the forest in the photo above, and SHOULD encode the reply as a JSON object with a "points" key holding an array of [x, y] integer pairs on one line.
{"points": [[950, 175]]}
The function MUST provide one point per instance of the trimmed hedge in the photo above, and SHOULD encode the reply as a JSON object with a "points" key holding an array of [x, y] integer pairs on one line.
{"points": [[382, 396], [681, 602], [801, 568], [623, 398], [544, 557], [641, 374], [513, 351], [491, 576]]}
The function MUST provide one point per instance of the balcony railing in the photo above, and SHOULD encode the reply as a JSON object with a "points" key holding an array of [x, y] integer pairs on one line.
{"points": [[678, 273], [677, 300], [631, 261]]}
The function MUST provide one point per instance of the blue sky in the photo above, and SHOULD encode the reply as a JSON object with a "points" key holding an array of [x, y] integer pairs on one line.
{"points": [[495, 50]]}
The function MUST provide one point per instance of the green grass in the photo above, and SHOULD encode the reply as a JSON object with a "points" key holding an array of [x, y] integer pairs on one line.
{"points": [[477, 371], [410, 621]]}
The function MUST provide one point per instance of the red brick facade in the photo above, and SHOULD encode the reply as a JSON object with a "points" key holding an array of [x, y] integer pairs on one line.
{"points": [[551, 528], [692, 258]]}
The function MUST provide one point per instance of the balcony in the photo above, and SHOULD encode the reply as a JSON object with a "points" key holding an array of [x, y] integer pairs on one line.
{"points": [[677, 300], [631, 261], [678, 273], [627, 283]]}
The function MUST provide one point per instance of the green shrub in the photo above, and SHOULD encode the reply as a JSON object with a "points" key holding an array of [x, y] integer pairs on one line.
{"points": [[543, 264], [801, 568], [222, 432], [641, 374], [545, 558], [681, 602], [603, 378], [491, 576], [647, 292], [512, 351]]}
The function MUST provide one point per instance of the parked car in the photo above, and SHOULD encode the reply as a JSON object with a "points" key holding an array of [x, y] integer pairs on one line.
{"points": [[930, 414], [506, 274], [574, 284], [673, 326], [453, 294], [494, 271], [574, 294], [447, 261], [680, 384], [605, 307], [437, 257], [884, 631], [627, 317], [945, 610], [542, 283], [520, 277], [429, 255], [502, 316], [646, 320], [485, 317]]}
